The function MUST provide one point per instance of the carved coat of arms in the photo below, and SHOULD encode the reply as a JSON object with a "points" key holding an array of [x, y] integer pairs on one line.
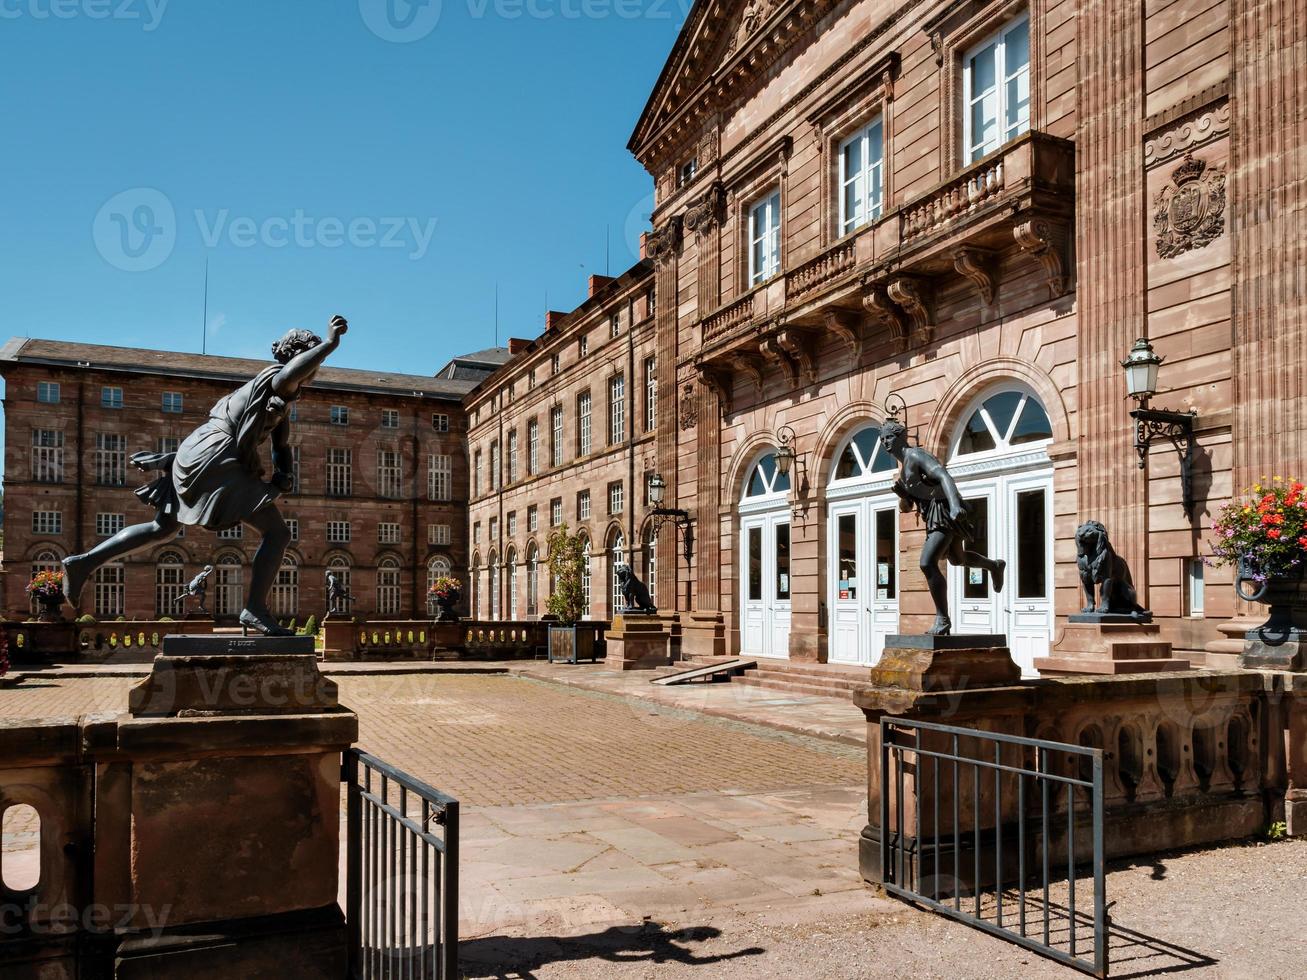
{"points": [[689, 408], [1190, 210]]}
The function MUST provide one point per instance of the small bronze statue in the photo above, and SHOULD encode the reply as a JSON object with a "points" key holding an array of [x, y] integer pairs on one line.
{"points": [[337, 592], [924, 484], [635, 594], [197, 589], [215, 479], [1101, 566]]}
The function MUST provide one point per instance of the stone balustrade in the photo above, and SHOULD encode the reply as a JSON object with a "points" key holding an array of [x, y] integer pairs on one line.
{"points": [[953, 200], [834, 262], [722, 321]]}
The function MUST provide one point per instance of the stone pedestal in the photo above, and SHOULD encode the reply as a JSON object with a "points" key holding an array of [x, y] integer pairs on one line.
{"points": [[227, 797], [1280, 643], [703, 634], [639, 642], [1108, 643], [919, 662]]}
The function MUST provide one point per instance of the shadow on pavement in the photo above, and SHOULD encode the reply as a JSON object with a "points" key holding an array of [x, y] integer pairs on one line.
{"points": [[516, 958]]}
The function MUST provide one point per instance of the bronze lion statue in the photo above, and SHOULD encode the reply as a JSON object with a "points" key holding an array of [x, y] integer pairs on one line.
{"points": [[1100, 566]]}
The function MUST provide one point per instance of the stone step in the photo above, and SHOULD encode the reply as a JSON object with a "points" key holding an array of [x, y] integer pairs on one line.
{"points": [[794, 687], [1087, 666], [1139, 649]]}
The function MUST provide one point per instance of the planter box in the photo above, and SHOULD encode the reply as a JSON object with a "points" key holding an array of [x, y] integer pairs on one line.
{"points": [[572, 644]]}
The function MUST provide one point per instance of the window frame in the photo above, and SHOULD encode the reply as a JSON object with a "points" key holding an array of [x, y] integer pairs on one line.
{"points": [[772, 264], [847, 224], [1001, 80]]}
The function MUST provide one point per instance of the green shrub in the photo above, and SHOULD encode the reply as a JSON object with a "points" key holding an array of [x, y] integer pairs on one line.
{"points": [[567, 568], [310, 626], [87, 619]]}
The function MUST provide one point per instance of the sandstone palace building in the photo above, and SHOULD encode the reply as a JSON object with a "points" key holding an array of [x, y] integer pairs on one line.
{"points": [[960, 212]]}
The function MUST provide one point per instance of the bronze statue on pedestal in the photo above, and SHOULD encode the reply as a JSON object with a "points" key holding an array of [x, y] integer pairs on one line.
{"points": [[215, 479]]}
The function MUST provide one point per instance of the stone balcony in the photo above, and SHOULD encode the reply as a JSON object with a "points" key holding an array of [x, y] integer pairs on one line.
{"points": [[879, 283]]}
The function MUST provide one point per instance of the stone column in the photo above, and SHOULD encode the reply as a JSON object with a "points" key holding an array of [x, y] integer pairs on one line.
{"points": [[663, 246]]}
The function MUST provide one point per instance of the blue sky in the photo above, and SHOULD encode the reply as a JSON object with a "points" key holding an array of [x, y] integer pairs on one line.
{"points": [[387, 161]]}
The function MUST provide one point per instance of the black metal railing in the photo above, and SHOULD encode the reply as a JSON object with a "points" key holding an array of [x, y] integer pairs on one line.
{"points": [[401, 886], [1013, 803]]}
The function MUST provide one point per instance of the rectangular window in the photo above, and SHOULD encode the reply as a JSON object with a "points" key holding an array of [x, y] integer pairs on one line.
{"points": [[389, 473], [440, 422], [172, 402], [168, 444], [512, 456], [887, 523], [110, 459], [387, 533], [862, 176], [47, 392], [532, 518], [510, 522], [476, 531], [556, 512], [687, 171], [996, 90], [476, 473], [782, 562], [531, 380], [1194, 576], [765, 238], [107, 525], [533, 447], [339, 415], [650, 393], [111, 397], [294, 469], [493, 527], [437, 534], [649, 307], [494, 464], [555, 363], [556, 425], [338, 532], [340, 472], [583, 505], [440, 475], [47, 522], [47, 456], [110, 590], [293, 526], [1032, 545], [232, 533], [616, 410], [755, 564], [615, 497], [389, 418], [582, 346], [615, 326], [584, 442]]}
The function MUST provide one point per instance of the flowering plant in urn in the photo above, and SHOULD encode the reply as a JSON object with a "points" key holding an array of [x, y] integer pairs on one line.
{"points": [[46, 586], [446, 588], [1264, 535]]}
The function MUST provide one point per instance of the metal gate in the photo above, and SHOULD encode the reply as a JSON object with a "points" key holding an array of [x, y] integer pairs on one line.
{"points": [[990, 829], [401, 884]]}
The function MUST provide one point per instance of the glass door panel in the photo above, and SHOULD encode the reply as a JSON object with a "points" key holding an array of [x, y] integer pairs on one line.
{"points": [[779, 645]]}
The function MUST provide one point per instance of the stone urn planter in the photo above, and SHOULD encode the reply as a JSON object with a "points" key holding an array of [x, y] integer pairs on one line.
{"points": [[445, 606], [50, 608], [1281, 641]]}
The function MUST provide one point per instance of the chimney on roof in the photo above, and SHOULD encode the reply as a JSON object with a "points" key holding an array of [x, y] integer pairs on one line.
{"points": [[597, 283], [516, 345], [644, 245], [553, 320]]}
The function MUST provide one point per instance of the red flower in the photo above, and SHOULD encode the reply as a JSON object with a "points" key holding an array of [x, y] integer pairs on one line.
{"points": [[1273, 533], [1303, 541]]}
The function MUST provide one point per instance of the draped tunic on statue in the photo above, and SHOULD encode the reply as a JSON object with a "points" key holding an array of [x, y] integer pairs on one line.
{"points": [[215, 479]]}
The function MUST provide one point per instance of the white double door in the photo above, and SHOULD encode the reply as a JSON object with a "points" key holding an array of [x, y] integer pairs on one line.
{"points": [[1013, 517], [765, 585], [863, 574]]}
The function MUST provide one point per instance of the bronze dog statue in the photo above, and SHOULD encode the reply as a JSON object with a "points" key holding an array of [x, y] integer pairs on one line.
{"points": [[1101, 566]]}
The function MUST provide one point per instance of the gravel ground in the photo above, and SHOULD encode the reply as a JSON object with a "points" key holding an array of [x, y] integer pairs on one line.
{"points": [[1229, 912]]}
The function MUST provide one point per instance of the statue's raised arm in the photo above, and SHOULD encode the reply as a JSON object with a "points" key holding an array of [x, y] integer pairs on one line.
{"points": [[303, 366]]}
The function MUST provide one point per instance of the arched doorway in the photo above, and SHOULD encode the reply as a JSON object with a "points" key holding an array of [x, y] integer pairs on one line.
{"points": [[532, 581], [585, 578], [616, 557], [765, 561], [229, 594], [169, 575], [340, 567], [388, 590], [862, 549], [510, 560], [999, 458], [493, 585], [286, 589]]}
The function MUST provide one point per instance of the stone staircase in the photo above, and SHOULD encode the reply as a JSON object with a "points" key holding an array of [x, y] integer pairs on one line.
{"points": [[798, 679]]}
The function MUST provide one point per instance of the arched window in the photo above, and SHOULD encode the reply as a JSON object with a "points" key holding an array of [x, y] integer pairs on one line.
{"points": [[46, 561], [340, 566], [474, 582], [651, 563], [286, 590], [532, 580], [494, 585], [228, 592], [766, 479], [436, 568], [618, 555], [388, 587], [510, 611], [110, 590], [1003, 421], [585, 579], [169, 582], [863, 458]]}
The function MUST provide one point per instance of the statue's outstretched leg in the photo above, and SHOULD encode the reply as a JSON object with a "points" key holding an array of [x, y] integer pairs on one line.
{"points": [[996, 567], [932, 552], [79, 568], [267, 563]]}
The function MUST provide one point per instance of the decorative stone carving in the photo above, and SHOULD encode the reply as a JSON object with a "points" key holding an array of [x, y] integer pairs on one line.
{"points": [[798, 345], [689, 416], [708, 211], [876, 301], [751, 366], [937, 45], [977, 265], [755, 15], [664, 242], [1190, 209], [845, 326], [1202, 128], [772, 353], [907, 293], [719, 383], [1045, 241]]}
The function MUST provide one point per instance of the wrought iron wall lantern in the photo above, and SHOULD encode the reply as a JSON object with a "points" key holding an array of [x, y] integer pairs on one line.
{"points": [[786, 458], [662, 515], [1141, 366]]}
